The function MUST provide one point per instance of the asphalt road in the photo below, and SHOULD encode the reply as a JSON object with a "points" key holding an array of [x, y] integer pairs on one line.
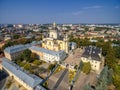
{"points": [[60, 79], [3, 76]]}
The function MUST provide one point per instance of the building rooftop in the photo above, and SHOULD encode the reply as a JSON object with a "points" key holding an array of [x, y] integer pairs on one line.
{"points": [[92, 52], [29, 79], [14, 49], [72, 43], [20, 47], [51, 52]]}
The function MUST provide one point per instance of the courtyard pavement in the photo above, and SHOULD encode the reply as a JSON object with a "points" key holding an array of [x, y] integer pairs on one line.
{"points": [[84, 79], [74, 58]]}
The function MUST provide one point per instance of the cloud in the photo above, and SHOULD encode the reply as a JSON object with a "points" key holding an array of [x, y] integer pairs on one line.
{"points": [[77, 13], [116, 7], [86, 8], [92, 7]]}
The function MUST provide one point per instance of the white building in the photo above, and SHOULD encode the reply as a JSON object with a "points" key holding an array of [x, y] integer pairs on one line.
{"points": [[48, 55], [14, 51], [72, 45], [92, 54], [29, 81]]}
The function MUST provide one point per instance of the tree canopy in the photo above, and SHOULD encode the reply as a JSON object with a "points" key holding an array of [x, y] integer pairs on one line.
{"points": [[86, 67]]}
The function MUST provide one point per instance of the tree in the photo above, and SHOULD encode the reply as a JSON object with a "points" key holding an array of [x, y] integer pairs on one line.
{"points": [[105, 79], [86, 67], [103, 74], [39, 38], [101, 86], [110, 59], [76, 67], [117, 52], [16, 36], [27, 66], [116, 77], [8, 44], [37, 62], [51, 66], [26, 55], [33, 56], [87, 87], [45, 84], [116, 81], [106, 47]]}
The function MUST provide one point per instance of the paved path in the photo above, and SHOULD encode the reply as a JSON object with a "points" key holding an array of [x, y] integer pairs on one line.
{"points": [[64, 85], [60, 79], [75, 58], [84, 79], [49, 75]]}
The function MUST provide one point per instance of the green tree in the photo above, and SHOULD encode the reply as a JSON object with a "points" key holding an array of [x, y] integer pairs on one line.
{"points": [[51, 66], [37, 62], [87, 87], [101, 86], [106, 47], [86, 67], [16, 36], [116, 81], [8, 44], [26, 55], [45, 84], [117, 52], [110, 59], [27, 66], [76, 67], [33, 56], [105, 79]]}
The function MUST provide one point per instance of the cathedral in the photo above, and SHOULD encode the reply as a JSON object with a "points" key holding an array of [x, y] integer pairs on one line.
{"points": [[54, 41]]}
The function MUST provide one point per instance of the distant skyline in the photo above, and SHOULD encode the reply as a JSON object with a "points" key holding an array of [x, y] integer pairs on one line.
{"points": [[60, 11]]}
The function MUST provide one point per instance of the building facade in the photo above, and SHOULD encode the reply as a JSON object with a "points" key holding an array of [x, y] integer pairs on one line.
{"points": [[29, 81], [55, 42], [14, 51], [92, 54], [48, 55]]}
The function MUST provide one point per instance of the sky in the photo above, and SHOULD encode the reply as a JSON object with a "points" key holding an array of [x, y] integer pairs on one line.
{"points": [[60, 11]]}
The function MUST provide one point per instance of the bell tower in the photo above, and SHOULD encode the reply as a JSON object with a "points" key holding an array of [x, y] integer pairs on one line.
{"points": [[66, 43], [53, 32], [54, 25]]}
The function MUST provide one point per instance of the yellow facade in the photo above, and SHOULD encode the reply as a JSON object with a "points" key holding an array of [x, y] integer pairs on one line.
{"points": [[55, 45]]}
